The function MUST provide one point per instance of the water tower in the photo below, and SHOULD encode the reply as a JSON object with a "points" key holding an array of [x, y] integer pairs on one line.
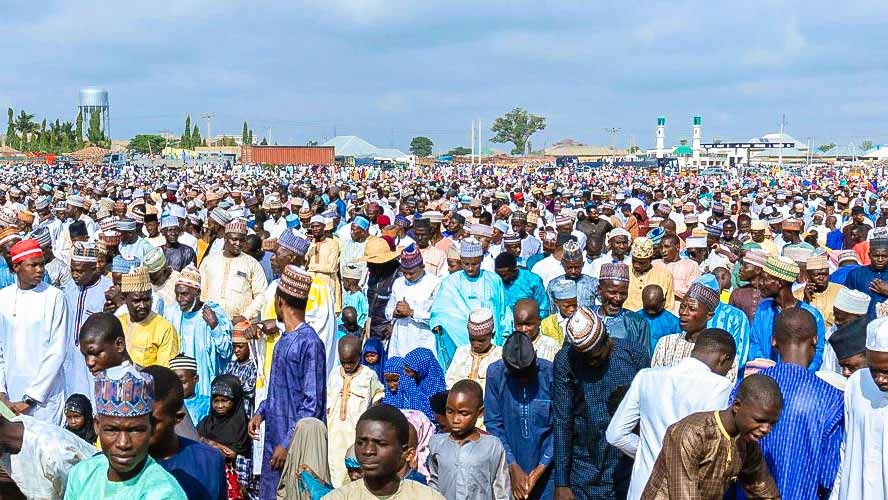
{"points": [[95, 100]]}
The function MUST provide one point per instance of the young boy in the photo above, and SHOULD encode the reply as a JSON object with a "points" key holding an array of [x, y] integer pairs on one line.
{"points": [[348, 323], [185, 367], [724, 282], [350, 391], [466, 464], [243, 366], [353, 296], [471, 361]]}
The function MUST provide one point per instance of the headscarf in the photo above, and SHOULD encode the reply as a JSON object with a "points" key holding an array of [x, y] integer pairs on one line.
{"points": [[431, 377], [425, 429], [308, 447], [408, 397], [80, 404], [231, 429], [373, 344]]}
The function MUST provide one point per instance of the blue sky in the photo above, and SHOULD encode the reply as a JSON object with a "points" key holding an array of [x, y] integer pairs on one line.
{"points": [[390, 70]]}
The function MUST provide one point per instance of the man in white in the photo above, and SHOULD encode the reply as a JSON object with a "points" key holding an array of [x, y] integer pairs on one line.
{"points": [[45, 455], [864, 470], [232, 279], [659, 397], [409, 305], [34, 337]]}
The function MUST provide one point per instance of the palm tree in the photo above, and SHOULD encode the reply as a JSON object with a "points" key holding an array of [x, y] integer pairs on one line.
{"points": [[24, 123]]}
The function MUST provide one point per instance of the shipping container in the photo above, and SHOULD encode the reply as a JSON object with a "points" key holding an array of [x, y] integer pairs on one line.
{"points": [[288, 155]]}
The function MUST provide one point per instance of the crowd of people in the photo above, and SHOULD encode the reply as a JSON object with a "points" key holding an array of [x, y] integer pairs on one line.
{"points": [[460, 332]]}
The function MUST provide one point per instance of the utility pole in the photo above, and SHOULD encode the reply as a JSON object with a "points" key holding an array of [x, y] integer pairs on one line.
{"points": [[613, 132], [268, 135], [782, 126], [209, 118], [479, 141], [472, 155]]}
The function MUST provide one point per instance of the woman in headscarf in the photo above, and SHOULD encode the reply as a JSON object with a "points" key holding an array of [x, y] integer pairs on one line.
{"points": [[374, 356], [425, 429], [306, 474], [225, 428], [401, 391], [79, 418], [421, 365]]}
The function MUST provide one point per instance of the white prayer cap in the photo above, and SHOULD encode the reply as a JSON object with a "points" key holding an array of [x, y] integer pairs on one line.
{"points": [[618, 232], [696, 242], [877, 335], [317, 219], [852, 301]]}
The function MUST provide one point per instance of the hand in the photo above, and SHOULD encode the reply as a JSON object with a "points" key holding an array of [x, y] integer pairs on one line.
{"points": [[269, 327], [210, 317], [564, 493], [253, 427], [534, 476], [278, 458], [879, 286], [809, 292], [19, 407], [519, 481], [237, 319], [403, 309], [228, 452]]}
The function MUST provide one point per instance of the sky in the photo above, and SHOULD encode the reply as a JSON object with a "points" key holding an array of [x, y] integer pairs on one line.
{"points": [[389, 70]]}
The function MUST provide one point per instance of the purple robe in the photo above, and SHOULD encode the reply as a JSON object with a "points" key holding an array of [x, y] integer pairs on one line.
{"points": [[297, 388]]}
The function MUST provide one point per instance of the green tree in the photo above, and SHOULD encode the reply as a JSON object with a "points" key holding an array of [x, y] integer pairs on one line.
{"points": [[459, 151], [195, 137], [250, 137], [185, 141], [147, 144], [866, 145], [824, 148], [264, 142], [25, 125], [94, 133], [683, 142], [634, 149], [311, 143], [79, 131], [516, 127], [11, 137], [421, 146], [245, 135]]}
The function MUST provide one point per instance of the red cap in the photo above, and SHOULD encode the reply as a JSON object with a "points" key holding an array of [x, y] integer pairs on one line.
{"points": [[25, 249], [519, 196], [383, 220]]}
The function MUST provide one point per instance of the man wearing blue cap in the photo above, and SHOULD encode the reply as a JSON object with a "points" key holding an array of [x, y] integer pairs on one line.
{"points": [[177, 254], [124, 470]]}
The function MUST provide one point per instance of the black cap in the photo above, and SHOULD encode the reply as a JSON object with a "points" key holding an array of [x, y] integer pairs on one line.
{"points": [[850, 339], [518, 352]]}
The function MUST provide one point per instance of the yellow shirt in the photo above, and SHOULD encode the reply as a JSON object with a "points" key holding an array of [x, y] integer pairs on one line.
{"points": [[823, 301], [550, 327], [154, 341], [658, 275]]}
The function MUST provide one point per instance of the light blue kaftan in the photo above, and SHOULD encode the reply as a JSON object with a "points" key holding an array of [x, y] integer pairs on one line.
{"points": [[458, 295]]}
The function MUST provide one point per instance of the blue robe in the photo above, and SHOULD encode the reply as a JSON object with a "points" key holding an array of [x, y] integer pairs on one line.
{"points": [[860, 278], [840, 275], [802, 450], [628, 325], [528, 286], [458, 295], [734, 321], [584, 460], [297, 388], [662, 324], [520, 415], [763, 329], [835, 239], [210, 347]]}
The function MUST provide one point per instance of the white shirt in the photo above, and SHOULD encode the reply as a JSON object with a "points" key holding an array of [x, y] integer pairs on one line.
{"points": [[657, 398], [34, 337], [548, 269], [864, 470], [411, 333], [40, 469]]}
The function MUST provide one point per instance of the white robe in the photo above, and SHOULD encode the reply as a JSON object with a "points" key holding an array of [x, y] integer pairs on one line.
{"points": [[34, 337], [82, 303], [864, 471], [411, 333]]}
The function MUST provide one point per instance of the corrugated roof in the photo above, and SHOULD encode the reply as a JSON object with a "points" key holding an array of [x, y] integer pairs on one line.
{"points": [[570, 150]]}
